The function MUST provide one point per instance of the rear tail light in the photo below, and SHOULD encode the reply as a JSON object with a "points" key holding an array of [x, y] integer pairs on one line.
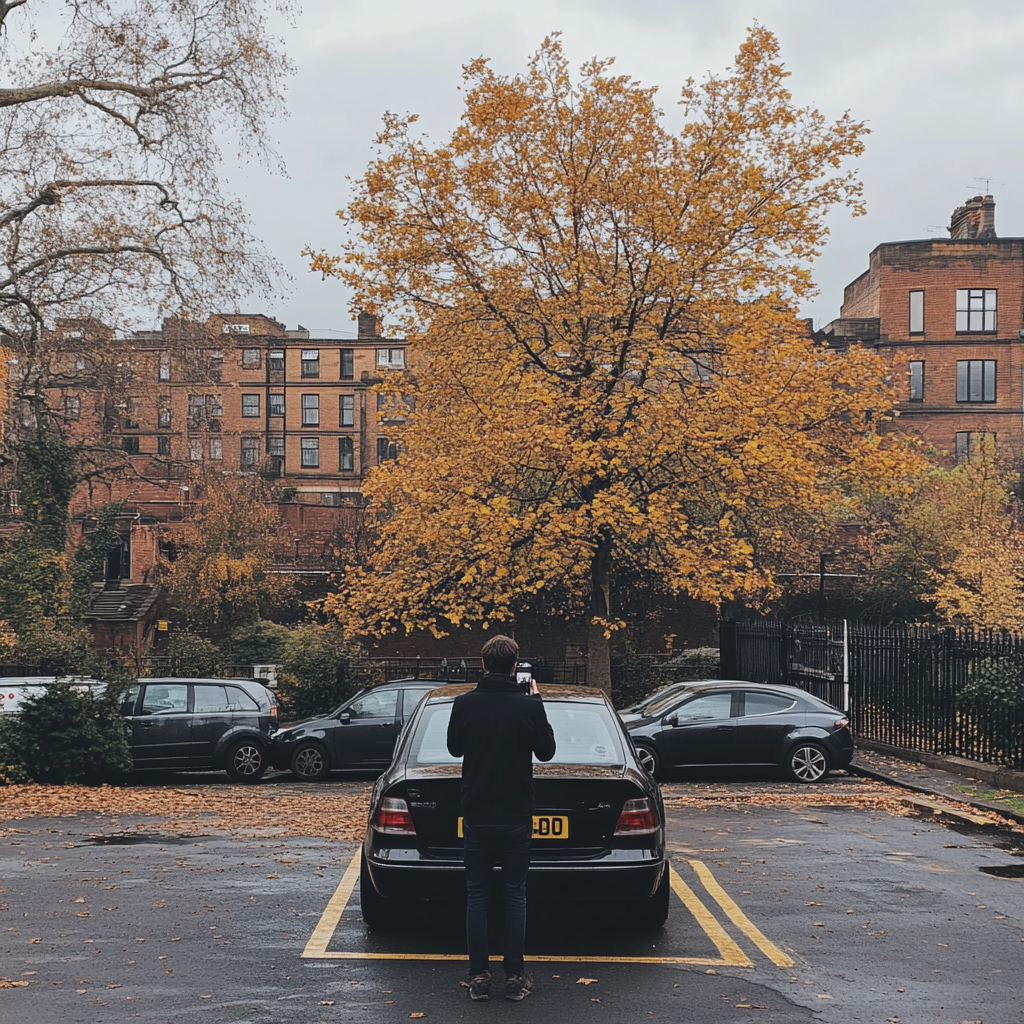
{"points": [[273, 714], [636, 819], [842, 723], [393, 817]]}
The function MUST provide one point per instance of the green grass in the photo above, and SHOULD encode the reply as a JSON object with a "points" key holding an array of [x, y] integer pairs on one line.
{"points": [[1007, 798]]}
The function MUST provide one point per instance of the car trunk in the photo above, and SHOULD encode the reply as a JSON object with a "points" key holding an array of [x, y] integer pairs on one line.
{"points": [[584, 801]]}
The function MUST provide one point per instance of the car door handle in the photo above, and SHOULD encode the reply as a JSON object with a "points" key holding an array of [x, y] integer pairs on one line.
{"points": [[386, 725], [724, 727], [147, 725]]}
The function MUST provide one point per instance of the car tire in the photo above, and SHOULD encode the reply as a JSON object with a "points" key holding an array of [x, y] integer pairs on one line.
{"points": [[649, 760], [378, 911], [246, 761], [652, 913], [807, 762], [310, 762]]}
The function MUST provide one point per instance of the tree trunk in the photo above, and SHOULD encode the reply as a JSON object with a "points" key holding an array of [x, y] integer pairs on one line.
{"points": [[599, 648]]}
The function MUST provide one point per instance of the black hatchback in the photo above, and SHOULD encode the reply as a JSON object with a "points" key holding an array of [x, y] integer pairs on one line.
{"points": [[196, 724], [598, 826], [360, 734], [734, 724]]}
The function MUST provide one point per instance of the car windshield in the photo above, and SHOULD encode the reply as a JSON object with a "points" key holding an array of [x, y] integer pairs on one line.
{"points": [[584, 734], [664, 701], [669, 693]]}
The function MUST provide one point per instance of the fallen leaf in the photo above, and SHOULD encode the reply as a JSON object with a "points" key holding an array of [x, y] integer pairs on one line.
{"points": [[113, 986], [751, 1006], [417, 1014], [813, 904], [4, 983], [711, 970], [326, 1002], [274, 875], [586, 981], [595, 1000], [78, 899], [32, 942]]}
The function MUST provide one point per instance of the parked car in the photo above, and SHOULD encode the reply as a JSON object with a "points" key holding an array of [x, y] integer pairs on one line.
{"points": [[731, 724], [599, 825], [183, 724], [15, 690], [361, 733]]}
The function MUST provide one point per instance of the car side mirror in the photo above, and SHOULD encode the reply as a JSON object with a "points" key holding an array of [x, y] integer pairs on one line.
{"points": [[672, 720], [345, 717]]}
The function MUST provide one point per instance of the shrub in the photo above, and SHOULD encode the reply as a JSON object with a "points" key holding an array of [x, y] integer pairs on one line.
{"points": [[11, 768], [320, 668], [698, 663], [192, 657], [262, 643], [63, 735], [633, 676]]}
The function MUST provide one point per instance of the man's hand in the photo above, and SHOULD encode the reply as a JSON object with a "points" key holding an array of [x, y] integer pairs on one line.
{"points": [[534, 688]]}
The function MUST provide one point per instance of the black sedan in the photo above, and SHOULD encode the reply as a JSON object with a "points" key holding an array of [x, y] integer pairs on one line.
{"points": [[727, 724], [598, 829], [361, 733]]}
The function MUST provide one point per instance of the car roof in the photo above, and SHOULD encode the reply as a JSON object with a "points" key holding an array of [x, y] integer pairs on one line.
{"points": [[731, 684], [189, 679], [552, 691]]}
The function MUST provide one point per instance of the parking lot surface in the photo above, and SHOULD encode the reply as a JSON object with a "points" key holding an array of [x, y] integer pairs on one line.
{"points": [[791, 904]]}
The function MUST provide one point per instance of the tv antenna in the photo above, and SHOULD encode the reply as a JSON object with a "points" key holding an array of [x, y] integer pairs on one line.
{"points": [[988, 184]]}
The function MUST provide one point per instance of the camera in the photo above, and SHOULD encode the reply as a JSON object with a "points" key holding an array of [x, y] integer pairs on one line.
{"points": [[524, 673]]}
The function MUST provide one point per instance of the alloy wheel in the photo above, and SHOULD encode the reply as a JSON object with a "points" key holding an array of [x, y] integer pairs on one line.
{"points": [[248, 759], [647, 760], [808, 763], [309, 762]]}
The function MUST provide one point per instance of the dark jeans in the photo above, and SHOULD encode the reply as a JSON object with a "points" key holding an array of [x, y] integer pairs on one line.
{"points": [[488, 844]]}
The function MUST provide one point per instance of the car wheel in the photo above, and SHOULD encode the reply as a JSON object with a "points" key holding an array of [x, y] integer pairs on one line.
{"points": [[807, 762], [309, 762], [246, 761], [649, 760], [652, 913], [378, 911]]}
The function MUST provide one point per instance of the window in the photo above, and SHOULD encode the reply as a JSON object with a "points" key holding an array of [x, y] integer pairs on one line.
{"points": [[347, 410], [163, 445], [391, 358], [346, 454], [79, 364], [386, 450], [310, 452], [969, 443], [163, 415], [976, 311], [165, 698], [235, 329], [195, 451], [239, 700], [348, 363], [72, 407], [165, 366], [766, 704], [707, 708], [375, 704], [203, 408], [275, 359], [310, 362], [216, 449], [276, 405], [250, 358], [311, 410], [250, 406], [130, 445], [976, 380], [132, 414], [250, 452], [215, 363], [275, 446], [330, 498], [917, 312], [209, 699], [917, 380]]}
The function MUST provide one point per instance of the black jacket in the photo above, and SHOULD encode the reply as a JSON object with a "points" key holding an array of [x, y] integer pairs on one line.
{"points": [[497, 729]]}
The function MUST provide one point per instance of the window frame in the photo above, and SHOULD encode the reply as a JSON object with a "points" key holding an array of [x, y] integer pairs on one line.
{"points": [[346, 453], [964, 450], [312, 446], [916, 386], [248, 360], [965, 379], [274, 357], [347, 363], [965, 314], [276, 408], [249, 453], [915, 296], [310, 359], [215, 445], [164, 370], [351, 409], [311, 410], [72, 408], [163, 444], [247, 409]]}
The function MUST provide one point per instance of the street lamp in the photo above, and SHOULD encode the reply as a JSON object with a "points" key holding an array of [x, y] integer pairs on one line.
{"points": [[826, 554]]}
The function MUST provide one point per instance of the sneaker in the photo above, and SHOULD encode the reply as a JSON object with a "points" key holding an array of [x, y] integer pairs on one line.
{"points": [[480, 987], [517, 986]]}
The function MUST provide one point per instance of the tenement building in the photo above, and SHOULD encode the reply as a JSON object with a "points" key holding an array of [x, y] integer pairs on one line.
{"points": [[954, 307]]}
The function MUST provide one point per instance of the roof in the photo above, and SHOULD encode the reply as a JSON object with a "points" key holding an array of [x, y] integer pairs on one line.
{"points": [[125, 604]]}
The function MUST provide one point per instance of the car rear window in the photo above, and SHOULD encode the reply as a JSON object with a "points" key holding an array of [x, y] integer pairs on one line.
{"points": [[584, 734]]}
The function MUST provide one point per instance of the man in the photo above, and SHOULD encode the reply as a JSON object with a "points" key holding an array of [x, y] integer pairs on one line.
{"points": [[496, 729]]}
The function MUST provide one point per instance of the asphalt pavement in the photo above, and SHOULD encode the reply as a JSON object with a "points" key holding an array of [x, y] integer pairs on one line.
{"points": [[785, 912]]}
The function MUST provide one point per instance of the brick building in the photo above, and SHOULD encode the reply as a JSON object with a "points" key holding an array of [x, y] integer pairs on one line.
{"points": [[955, 308]]}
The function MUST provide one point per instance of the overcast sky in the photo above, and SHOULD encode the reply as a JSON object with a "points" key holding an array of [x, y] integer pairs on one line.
{"points": [[940, 84]]}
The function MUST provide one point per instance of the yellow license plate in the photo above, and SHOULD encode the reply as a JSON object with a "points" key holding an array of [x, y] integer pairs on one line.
{"points": [[545, 826]]}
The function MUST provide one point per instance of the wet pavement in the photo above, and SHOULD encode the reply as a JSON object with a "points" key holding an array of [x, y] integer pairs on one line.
{"points": [[790, 904]]}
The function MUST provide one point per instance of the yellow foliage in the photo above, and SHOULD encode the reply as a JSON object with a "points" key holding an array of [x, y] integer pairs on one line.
{"points": [[613, 389]]}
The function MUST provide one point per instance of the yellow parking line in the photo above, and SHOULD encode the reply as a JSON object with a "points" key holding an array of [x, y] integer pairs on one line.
{"points": [[738, 918], [730, 954], [330, 918]]}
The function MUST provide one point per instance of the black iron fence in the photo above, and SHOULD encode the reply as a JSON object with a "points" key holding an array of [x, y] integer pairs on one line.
{"points": [[957, 692]]}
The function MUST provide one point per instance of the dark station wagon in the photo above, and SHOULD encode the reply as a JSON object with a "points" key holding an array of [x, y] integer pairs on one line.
{"points": [[599, 824], [197, 724]]}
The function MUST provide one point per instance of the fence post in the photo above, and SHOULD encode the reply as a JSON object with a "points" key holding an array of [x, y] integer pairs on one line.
{"points": [[784, 651], [846, 666], [728, 654]]}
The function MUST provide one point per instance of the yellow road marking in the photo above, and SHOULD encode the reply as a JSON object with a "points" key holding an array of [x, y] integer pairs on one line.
{"points": [[730, 954], [738, 918], [329, 919], [727, 948]]}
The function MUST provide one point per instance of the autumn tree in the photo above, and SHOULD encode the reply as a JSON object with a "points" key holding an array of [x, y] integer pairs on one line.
{"points": [[222, 575], [614, 393], [113, 116]]}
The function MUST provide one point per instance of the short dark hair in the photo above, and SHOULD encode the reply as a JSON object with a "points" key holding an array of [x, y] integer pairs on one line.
{"points": [[500, 653]]}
